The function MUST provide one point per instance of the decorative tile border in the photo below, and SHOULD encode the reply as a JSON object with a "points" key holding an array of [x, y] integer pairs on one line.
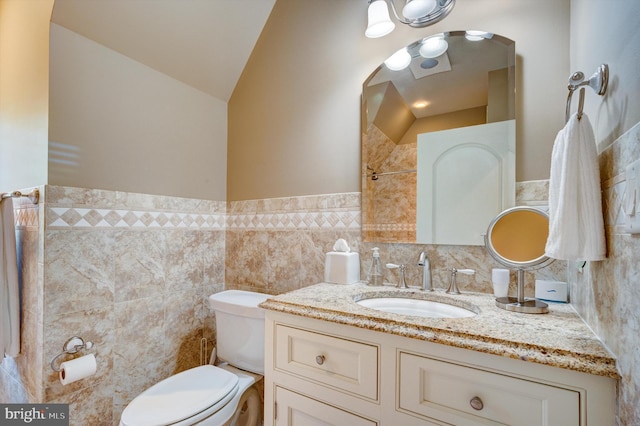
{"points": [[79, 208], [319, 212], [323, 212], [613, 161], [313, 212], [613, 193], [75, 217], [349, 219], [389, 227]]}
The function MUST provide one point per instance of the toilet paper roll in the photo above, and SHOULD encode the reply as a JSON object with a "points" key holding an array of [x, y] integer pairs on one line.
{"points": [[77, 369]]}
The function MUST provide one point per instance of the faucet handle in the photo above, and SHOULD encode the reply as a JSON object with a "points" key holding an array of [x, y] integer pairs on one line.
{"points": [[453, 285], [402, 283]]}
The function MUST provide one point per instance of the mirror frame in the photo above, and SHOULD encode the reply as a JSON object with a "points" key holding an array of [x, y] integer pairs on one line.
{"points": [[540, 261]]}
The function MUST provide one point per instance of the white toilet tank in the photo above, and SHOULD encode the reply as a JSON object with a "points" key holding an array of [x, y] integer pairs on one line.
{"points": [[240, 328]]}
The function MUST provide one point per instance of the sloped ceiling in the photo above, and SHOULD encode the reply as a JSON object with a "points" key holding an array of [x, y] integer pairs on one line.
{"points": [[203, 43]]}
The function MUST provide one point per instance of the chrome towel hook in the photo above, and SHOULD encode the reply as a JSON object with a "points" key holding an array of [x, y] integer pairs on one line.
{"points": [[599, 82]]}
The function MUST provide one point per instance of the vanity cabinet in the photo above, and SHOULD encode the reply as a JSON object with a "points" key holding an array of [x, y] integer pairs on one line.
{"points": [[324, 373]]}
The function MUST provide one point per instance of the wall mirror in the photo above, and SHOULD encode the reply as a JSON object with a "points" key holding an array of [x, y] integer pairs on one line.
{"points": [[516, 238], [438, 140]]}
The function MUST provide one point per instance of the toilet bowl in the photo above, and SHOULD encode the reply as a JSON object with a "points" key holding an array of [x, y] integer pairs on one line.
{"points": [[213, 395]]}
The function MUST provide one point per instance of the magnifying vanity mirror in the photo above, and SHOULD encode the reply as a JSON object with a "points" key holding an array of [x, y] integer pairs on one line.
{"points": [[438, 140], [516, 238]]}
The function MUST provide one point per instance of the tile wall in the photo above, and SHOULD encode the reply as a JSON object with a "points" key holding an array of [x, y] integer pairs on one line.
{"points": [[390, 206], [272, 249], [279, 244], [128, 272], [607, 293], [132, 272]]}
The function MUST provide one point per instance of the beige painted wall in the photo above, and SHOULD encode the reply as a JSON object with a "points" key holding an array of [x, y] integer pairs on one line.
{"points": [[119, 125], [294, 115], [450, 120], [394, 116], [24, 70], [608, 31]]}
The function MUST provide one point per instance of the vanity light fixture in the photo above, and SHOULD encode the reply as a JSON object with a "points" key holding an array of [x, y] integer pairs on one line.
{"points": [[415, 9], [433, 46], [415, 13], [430, 47], [476, 35], [399, 60]]}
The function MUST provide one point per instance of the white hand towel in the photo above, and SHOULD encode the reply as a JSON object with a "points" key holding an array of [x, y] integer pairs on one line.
{"points": [[9, 294], [576, 225]]}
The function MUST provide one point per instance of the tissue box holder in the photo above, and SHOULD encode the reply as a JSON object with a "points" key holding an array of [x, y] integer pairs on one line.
{"points": [[554, 291], [342, 268]]}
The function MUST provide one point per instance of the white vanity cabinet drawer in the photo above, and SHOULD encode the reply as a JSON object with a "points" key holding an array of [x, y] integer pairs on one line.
{"points": [[469, 396], [347, 365], [294, 409]]}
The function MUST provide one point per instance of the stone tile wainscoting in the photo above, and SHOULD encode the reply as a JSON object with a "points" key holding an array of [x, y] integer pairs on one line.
{"points": [[606, 294], [279, 244], [128, 272], [132, 272]]}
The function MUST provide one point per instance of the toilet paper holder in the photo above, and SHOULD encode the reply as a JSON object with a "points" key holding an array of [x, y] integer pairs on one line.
{"points": [[72, 346]]}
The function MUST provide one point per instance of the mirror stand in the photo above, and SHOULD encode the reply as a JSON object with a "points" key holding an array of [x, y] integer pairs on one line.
{"points": [[520, 303], [516, 238]]}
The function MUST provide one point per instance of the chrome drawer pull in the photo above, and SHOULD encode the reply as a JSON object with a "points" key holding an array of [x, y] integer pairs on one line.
{"points": [[320, 359], [476, 403]]}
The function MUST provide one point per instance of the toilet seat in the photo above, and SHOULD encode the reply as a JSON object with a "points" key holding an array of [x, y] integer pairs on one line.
{"points": [[193, 394]]}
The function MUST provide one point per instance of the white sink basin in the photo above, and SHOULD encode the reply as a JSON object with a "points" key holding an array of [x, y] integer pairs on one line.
{"points": [[416, 307]]}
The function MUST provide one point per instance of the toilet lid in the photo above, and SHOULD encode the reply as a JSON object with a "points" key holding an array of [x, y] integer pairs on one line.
{"points": [[180, 396]]}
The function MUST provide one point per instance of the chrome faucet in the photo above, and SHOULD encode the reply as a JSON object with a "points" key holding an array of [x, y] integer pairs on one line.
{"points": [[453, 285], [423, 261]]}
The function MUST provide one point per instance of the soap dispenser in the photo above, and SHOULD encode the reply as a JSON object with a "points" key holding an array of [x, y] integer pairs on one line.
{"points": [[374, 277]]}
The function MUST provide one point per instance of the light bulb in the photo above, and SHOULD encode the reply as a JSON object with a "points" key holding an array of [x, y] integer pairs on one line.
{"points": [[433, 47], [399, 60], [475, 35], [379, 22], [415, 9]]}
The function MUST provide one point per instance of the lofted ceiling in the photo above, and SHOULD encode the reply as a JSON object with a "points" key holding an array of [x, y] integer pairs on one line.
{"points": [[203, 43]]}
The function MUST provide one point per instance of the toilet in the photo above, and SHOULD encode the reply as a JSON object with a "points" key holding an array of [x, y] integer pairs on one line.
{"points": [[213, 395]]}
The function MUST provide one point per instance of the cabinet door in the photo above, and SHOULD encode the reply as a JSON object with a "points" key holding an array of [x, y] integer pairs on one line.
{"points": [[469, 396], [294, 409]]}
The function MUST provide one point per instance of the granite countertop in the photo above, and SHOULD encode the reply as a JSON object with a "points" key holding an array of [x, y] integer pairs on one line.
{"points": [[559, 338]]}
